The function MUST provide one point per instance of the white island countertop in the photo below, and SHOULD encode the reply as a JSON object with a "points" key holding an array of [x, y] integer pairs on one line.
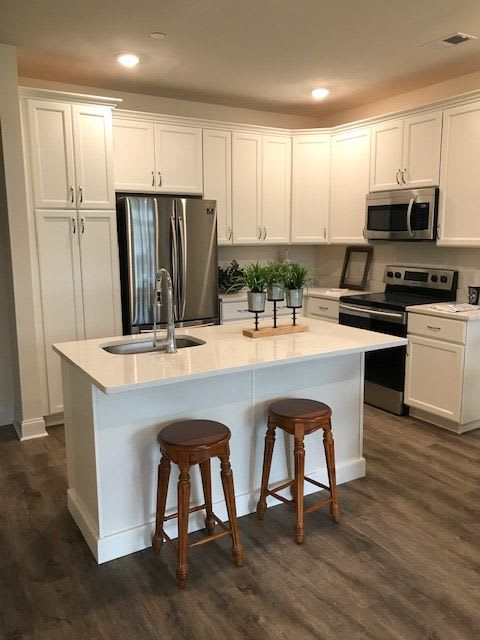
{"points": [[226, 350]]}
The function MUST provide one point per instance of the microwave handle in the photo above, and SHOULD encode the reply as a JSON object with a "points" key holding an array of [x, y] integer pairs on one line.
{"points": [[409, 216]]}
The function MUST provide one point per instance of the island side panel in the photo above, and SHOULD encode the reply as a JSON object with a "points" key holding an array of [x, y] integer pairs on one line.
{"points": [[127, 425]]}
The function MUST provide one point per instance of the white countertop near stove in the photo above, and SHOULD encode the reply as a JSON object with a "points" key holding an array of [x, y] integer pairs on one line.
{"points": [[426, 309], [226, 350]]}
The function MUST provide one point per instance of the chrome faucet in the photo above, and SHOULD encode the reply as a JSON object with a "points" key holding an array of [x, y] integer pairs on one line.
{"points": [[170, 344]]}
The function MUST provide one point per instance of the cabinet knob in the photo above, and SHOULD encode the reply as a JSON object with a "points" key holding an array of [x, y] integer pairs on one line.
{"points": [[229, 233], [259, 235], [159, 179], [396, 176], [82, 224], [264, 233], [72, 194], [80, 194], [74, 224], [153, 178], [404, 171]]}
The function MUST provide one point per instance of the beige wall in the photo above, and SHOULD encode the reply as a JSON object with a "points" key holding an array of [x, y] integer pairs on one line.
{"points": [[411, 100], [185, 108], [244, 255]]}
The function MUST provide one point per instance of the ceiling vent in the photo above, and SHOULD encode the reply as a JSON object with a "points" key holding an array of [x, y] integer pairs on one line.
{"points": [[458, 38]]}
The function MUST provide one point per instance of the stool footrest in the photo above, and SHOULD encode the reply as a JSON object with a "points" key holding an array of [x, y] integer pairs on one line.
{"points": [[214, 536], [317, 484], [191, 510], [318, 505], [271, 492]]}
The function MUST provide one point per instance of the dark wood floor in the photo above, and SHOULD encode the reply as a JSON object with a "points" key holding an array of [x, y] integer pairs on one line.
{"points": [[404, 563]]}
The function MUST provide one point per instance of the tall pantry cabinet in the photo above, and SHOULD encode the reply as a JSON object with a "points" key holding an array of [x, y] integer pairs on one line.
{"points": [[71, 166]]}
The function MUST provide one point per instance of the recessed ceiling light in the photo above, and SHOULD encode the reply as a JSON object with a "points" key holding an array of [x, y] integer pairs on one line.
{"points": [[128, 59], [158, 35], [320, 94]]}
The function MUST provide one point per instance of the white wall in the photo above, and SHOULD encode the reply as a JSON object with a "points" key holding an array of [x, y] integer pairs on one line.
{"points": [[329, 261], [184, 108]]}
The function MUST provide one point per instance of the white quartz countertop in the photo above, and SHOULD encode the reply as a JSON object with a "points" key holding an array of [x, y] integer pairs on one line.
{"points": [[426, 309], [316, 292], [226, 350]]}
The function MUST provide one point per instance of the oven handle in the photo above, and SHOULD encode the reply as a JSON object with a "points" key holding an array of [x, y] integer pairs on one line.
{"points": [[354, 310], [409, 216]]}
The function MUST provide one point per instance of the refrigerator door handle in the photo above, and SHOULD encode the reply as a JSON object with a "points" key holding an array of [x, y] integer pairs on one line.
{"points": [[131, 265], [176, 292], [183, 264]]}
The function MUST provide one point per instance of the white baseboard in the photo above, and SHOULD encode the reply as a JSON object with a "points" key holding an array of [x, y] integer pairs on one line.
{"points": [[29, 429], [131, 540], [438, 421]]}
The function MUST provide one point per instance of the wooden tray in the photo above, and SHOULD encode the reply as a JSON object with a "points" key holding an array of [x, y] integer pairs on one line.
{"points": [[279, 331]]}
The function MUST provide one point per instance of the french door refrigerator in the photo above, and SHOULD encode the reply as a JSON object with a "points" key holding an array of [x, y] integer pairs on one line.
{"points": [[179, 234]]}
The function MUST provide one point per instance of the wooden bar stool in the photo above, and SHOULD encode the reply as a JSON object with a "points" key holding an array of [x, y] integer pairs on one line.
{"points": [[299, 417], [186, 443]]}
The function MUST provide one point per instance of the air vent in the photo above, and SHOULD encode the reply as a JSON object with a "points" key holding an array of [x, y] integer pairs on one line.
{"points": [[458, 38]]}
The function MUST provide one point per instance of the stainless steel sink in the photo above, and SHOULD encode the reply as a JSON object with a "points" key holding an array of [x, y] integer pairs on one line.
{"points": [[146, 346]]}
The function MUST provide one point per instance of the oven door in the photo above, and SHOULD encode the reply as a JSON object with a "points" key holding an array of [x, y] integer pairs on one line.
{"points": [[402, 215], [384, 369]]}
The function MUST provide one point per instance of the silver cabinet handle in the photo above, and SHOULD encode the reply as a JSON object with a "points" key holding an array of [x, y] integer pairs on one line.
{"points": [[74, 224], [153, 178], [264, 233], [324, 233], [259, 236], [322, 308], [159, 179], [432, 328], [72, 194], [242, 311], [80, 194], [229, 233], [82, 224], [396, 176], [438, 232], [404, 171]]}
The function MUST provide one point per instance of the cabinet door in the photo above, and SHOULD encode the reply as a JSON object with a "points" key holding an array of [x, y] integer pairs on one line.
{"points": [[217, 179], [51, 153], [178, 159], [100, 274], [276, 189], [386, 158], [60, 282], [246, 188], [422, 136], [310, 189], [434, 377], [459, 219], [349, 182], [133, 155], [93, 146]]}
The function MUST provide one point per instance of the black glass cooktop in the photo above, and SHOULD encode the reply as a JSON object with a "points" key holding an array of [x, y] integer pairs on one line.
{"points": [[396, 301]]}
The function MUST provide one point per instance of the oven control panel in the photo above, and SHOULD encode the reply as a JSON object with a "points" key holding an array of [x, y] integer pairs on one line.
{"points": [[443, 279]]}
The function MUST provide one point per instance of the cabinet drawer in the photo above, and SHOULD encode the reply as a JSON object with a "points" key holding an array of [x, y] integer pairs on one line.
{"points": [[321, 307], [433, 327], [232, 311]]}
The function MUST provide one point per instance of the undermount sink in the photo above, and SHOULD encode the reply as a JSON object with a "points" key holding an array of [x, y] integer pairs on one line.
{"points": [[146, 346]]}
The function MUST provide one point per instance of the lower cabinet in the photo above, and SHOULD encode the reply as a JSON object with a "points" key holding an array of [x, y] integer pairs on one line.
{"points": [[79, 280], [231, 310], [321, 308]]}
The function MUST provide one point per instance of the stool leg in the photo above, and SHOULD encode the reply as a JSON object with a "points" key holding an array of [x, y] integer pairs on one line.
{"points": [[228, 490], [183, 507], [207, 493], [163, 478], [267, 463], [330, 458], [299, 451]]}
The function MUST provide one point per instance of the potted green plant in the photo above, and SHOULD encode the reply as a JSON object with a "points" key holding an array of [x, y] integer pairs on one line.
{"points": [[230, 279], [275, 275], [254, 277], [295, 279]]}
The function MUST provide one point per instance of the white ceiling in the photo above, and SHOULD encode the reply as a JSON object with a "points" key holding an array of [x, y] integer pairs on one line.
{"points": [[265, 54]]}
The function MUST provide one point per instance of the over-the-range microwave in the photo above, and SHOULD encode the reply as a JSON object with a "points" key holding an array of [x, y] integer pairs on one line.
{"points": [[409, 214]]}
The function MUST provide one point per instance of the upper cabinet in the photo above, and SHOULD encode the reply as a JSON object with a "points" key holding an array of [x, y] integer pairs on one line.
{"points": [[310, 188], [349, 185], [71, 155], [217, 179], [459, 219], [406, 153], [157, 158], [261, 178]]}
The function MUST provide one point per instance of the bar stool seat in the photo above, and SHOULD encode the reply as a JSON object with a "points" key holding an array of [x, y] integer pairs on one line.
{"points": [[299, 417], [186, 443]]}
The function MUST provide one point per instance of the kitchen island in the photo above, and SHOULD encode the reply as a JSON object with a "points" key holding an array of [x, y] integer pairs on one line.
{"points": [[115, 405]]}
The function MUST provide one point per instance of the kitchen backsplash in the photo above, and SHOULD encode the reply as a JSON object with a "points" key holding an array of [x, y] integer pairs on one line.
{"points": [[265, 253]]}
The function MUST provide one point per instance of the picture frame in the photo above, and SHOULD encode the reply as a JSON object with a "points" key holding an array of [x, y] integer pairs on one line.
{"points": [[356, 267]]}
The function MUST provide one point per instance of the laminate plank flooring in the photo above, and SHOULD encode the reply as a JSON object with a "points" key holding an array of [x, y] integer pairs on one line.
{"points": [[403, 564]]}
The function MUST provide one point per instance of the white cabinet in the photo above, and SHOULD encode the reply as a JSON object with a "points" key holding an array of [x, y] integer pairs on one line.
{"points": [[261, 178], [235, 310], [349, 185], [310, 188], [459, 219], [406, 152], [157, 158], [71, 155], [322, 308], [134, 155], [79, 283], [217, 179]]}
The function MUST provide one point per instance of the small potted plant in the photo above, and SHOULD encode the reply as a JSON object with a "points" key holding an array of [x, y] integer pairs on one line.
{"points": [[295, 279], [230, 279], [254, 277], [275, 275]]}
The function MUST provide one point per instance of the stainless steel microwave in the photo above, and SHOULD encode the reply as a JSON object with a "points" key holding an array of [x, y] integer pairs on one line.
{"points": [[407, 214]]}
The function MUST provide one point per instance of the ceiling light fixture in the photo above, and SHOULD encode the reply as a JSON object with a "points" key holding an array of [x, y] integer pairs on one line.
{"points": [[128, 60], [158, 35], [320, 94]]}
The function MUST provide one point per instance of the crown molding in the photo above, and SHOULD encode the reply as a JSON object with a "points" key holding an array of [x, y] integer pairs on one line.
{"points": [[48, 94]]}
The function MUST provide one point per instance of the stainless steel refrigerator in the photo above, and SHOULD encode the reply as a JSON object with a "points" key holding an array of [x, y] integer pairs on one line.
{"points": [[179, 234]]}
